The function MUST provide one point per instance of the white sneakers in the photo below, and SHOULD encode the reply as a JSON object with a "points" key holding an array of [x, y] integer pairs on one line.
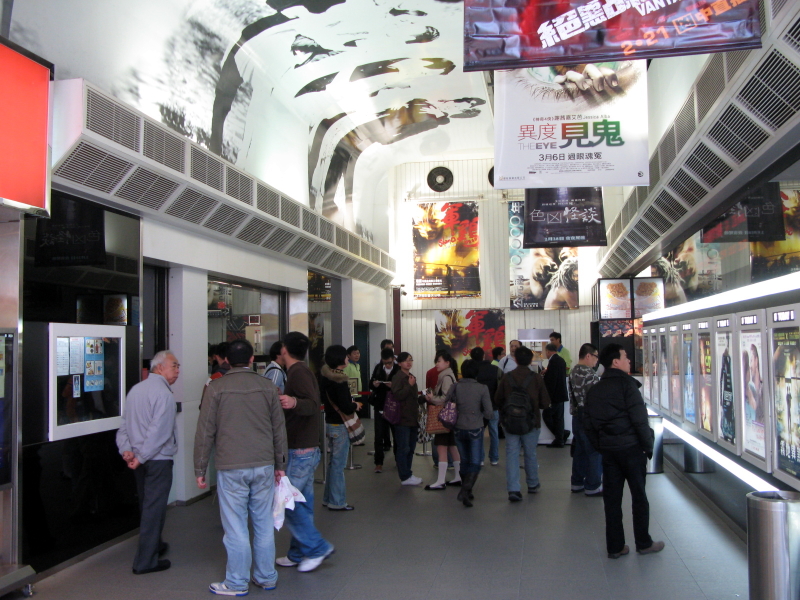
{"points": [[309, 564], [284, 561], [413, 480]]}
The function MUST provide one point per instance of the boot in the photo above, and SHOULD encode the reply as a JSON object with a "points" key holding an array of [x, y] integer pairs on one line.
{"points": [[463, 490], [466, 488], [470, 495]]}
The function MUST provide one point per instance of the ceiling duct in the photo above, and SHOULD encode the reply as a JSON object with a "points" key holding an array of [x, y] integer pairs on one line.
{"points": [[120, 157]]}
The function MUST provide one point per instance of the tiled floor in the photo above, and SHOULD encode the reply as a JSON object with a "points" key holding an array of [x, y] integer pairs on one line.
{"points": [[405, 543]]}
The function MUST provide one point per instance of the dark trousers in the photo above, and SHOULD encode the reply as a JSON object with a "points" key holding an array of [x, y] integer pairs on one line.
{"points": [[553, 417], [383, 431], [405, 440], [618, 467], [153, 482]]}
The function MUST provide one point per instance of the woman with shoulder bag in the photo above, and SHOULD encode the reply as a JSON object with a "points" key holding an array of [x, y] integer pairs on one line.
{"points": [[443, 442]]}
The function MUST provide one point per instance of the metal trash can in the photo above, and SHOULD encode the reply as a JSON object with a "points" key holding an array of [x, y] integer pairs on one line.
{"points": [[773, 545], [695, 461], [656, 464]]}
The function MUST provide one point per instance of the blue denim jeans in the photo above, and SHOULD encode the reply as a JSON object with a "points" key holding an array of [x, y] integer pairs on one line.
{"points": [[528, 443], [470, 447], [494, 437], [587, 463], [307, 541], [405, 441], [243, 492], [339, 444]]}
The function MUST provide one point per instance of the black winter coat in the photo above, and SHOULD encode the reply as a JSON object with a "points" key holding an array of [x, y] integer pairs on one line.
{"points": [[555, 379], [614, 414]]}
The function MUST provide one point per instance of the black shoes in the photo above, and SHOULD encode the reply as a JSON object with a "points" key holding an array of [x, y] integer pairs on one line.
{"points": [[514, 496], [433, 487], [535, 489], [163, 548], [345, 507], [162, 565]]}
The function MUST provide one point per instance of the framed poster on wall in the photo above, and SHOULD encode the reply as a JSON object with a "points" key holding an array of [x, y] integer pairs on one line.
{"points": [[705, 382], [688, 368], [752, 401], [784, 352], [724, 379], [663, 369], [675, 387]]}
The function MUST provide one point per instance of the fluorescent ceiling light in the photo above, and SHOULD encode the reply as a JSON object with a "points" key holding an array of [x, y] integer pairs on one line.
{"points": [[786, 283]]}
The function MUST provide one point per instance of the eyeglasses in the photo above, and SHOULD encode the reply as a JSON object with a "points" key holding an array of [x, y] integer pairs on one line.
{"points": [[596, 355]]}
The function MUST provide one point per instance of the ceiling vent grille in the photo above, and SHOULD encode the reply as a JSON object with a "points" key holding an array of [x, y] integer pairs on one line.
{"points": [[734, 60], [792, 36], [226, 219], [333, 261], [341, 238], [709, 167], [641, 195], [164, 148], [655, 173], [290, 212], [377, 279], [238, 185], [667, 149], [93, 168], [624, 216], [632, 207], [192, 206], [317, 255], [659, 222], [773, 92], [299, 248], [614, 232], [268, 201], [207, 169], [648, 233], [684, 123], [146, 188], [687, 188], [384, 260], [710, 85], [113, 122], [354, 245], [326, 231], [392, 265], [278, 240], [673, 209], [376, 256], [346, 265], [366, 251], [358, 271], [637, 240], [777, 6], [628, 248], [737, 134], [255, 231], [310, 222]]}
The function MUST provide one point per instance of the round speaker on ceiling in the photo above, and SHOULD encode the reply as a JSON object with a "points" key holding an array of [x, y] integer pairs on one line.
{"points": [[491, 176], [440, 179]]}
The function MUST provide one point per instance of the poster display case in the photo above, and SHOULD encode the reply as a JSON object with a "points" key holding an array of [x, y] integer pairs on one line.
{"points": [[647, 367], [663, 369], [706, 407], [753, 387], [725, 383], [675, 383], [783, 360], [7, 413], [688, 369], [655, 384]]}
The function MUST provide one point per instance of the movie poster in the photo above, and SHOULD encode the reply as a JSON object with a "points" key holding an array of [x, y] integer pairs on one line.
{"points": [[446, 257], [663, 372], [459, 331], [558, 216], [676, 396], [655, 369], [647, 372], [752, 392], [786, 391], [554, 132], [773, 259], [319, 287], [692, 270], [688, 379], [727, 408], [540, 278], [757, 218], [705, 385], [316, 338]]}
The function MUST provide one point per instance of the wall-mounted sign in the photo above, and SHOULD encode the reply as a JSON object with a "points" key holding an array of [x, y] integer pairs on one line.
{"points": [[648, 295], [723, 323], [702, 325], [749, 320], [673, 328], [615, 299], [686, 326], [564, 216], [782, 316]]}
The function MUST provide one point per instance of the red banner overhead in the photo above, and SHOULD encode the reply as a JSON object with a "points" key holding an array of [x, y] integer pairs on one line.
{"points": [[509, 34]]}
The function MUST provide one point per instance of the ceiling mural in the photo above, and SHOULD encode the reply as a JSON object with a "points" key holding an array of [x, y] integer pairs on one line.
{"points": [[355, 75]]}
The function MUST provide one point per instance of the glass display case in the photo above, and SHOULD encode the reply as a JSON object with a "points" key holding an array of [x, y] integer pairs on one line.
{"points": [[752, 388]]}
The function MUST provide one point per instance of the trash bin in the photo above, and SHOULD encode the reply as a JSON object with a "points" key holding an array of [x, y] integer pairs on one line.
{"points": [[656, 464], [773, 545]]}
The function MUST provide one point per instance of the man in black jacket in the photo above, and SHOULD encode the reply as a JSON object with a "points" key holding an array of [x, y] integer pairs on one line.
{"points": [[555, 380], [615, 420], [379, 384]]}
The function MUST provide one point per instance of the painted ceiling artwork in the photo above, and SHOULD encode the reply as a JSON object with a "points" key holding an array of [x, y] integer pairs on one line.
{"points": [[356, 77]]}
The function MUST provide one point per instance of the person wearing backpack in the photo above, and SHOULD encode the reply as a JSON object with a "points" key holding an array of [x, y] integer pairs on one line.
{"points": [[520, 396]]}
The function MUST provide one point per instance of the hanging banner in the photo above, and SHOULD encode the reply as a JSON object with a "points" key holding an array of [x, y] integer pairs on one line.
{"points": [[536, 33], [786, 386], [752, 389], [551, 132], [558, 216], [74, 235], [446, 256], [770, 259], [459, 331], [540, 278], [757, 218]]}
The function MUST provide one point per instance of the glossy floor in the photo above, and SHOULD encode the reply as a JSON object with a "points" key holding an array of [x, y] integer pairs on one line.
{"points": [[405, 543]]}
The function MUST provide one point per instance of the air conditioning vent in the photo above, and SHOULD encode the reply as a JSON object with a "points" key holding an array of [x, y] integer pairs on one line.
{"points": [[326, 231], [310, 222], [792, 36], [657, 220], [673, 209], [255, 231], [637, 241], [377, 279], [110, 120], [734, 60], [226, 219], [684, 124], [687, 188], [317, 255], [299, 248], [355, 244], [393, 265], [93, 168], [268, 201], [773, 92], [346, 265], [777, 6], [207, 169], [341, 238], [358, 271], [164, 148], [147, 189], [737, 134], [642, 192], [192, 206], [384, 260], [278, 240], [238, 185], [376, 256], [290, 212], [333, 261], [710, 85], [366, 251], [648, 233], [709, 167], [666, 149], [655, 172]]}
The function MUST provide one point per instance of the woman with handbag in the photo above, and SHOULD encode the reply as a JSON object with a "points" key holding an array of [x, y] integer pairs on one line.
{"points": [[473, 405], [444, 440], [406, 392], [339, 407]]}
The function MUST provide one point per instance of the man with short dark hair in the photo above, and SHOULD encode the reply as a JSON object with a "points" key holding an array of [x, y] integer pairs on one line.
{"points": [[615, 419], [555, 338], [498, 353], [221, 365], [555, 378], [587, 464], [380, 383], [275, 372], [242, 421], [508, 363], [489, 375]]}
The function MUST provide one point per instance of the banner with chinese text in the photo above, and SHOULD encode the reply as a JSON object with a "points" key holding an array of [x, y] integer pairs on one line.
{"points": [[535, 33], [540, 278], [559, 216], [459, 331], [446, 250], [550, 134]]}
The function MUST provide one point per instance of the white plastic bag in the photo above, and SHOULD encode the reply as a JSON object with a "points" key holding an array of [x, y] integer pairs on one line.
{"points": [[285, 497]]}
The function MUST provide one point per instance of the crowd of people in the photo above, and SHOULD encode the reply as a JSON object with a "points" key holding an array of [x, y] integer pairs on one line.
{"points": [[264, 428]]}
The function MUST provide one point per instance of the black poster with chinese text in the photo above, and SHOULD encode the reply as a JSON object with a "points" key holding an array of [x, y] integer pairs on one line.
{"points": [[74, 235], [564, 217], [757, 218]]}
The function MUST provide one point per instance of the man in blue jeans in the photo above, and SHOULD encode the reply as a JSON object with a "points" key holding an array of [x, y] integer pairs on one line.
{"points": [[301, 406], [242, 418]]}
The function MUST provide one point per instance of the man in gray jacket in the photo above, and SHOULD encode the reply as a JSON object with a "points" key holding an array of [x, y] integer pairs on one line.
{"points": [[147, 440], [242, 417]]}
